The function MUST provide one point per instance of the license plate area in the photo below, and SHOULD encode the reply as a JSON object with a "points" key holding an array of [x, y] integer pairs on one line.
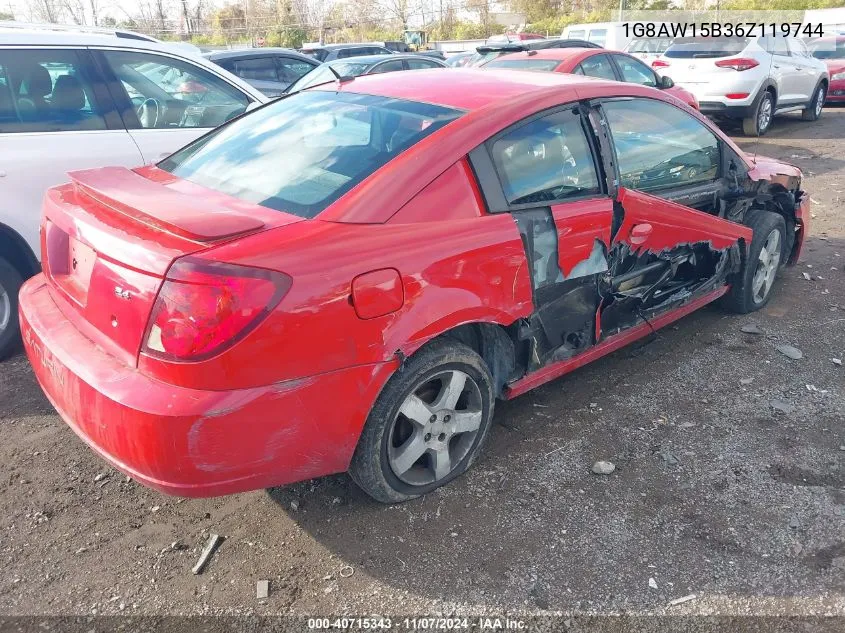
{"points": [[71, 263]]}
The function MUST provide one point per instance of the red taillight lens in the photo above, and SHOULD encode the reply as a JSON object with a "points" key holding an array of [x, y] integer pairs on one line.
{"points": [[740, 63], [204, 307], [659, 63]]}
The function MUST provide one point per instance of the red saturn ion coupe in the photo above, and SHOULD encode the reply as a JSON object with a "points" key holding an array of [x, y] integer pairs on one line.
{"points": [[593, 62], [347, 278]]}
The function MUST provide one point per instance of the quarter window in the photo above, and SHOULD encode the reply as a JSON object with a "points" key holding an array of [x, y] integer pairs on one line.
{"points": [[598, 66], [47, 91], [659, 146], [634, 71], [170, 93], [545, 160], [421, 64], [291, 69]]}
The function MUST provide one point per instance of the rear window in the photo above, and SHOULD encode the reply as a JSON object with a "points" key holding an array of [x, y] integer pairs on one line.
{"points": [[301, 153], [653, 45], [577, 35], [693, 48], [524, 64], [319, 54], [827, 49]]}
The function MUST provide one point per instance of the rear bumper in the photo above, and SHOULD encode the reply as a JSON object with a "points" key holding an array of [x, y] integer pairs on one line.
{"points": [[191, 442], [716, 108]]}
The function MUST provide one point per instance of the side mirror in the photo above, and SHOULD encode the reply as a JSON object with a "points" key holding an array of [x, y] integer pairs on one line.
{"points": [[666, 82]]}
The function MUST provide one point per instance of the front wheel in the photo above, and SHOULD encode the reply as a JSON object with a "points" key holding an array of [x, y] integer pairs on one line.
{"points": [[428, 424], [753, 287], [761, 121], [813, 111]]}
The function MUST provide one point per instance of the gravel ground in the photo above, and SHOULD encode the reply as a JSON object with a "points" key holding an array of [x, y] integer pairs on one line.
{"points": [[729, 484]]}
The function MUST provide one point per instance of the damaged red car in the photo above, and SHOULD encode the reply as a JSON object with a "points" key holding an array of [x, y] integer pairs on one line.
{"points": [[347, 279]]}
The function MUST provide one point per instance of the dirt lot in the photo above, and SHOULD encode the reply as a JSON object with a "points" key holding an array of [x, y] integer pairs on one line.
{"points": [[730, 484]]}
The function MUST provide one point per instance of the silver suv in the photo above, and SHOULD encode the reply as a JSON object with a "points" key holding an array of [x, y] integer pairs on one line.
{"points": [[750, 79]]}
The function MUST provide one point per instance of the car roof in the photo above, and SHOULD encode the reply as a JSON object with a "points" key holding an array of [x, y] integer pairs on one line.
{"points": [[558, 54], [461, 88], [363, 59], [332, 47], [256, 52], [67, 37]]}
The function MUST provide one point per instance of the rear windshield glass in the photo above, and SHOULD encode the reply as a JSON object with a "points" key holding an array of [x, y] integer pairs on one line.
{"points": [[319, 54], [301, 153], [653, 45], [524, 64], [692, 48]]}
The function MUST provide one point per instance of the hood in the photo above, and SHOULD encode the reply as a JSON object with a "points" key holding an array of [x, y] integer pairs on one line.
{"points": [[835, 65], [766, 168]]}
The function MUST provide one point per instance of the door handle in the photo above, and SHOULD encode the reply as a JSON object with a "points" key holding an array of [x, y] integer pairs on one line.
{"points": [[640, 232]]}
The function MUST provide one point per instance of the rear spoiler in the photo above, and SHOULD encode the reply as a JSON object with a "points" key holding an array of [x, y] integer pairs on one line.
{"points": [[159, 206]]}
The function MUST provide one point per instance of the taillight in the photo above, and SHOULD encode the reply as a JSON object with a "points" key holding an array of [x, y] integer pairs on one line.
{"points": [[659, 63], [740, 63], [204, 307]]}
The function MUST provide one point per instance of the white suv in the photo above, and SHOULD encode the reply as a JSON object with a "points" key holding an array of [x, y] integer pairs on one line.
{"points": [[75, 100], [751, 79]]}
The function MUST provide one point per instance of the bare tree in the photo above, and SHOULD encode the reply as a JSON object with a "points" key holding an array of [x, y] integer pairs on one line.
{"points": [[399, 10], [75, 11], [313, 13], [94, 5], [45, 11]]}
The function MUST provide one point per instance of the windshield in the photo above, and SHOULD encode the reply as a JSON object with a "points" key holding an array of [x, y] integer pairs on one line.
{"points": [[524, 64], [828, 50], [320, 75], [704, 47], [351, 69], [301, 153]]}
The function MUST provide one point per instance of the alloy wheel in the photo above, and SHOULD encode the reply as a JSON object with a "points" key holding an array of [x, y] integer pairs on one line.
{"points": [[767, 267], [819, 101], [435, 428], [5, 309], [764, 116]]}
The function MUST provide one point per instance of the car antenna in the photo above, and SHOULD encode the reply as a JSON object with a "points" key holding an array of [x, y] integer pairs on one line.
{"points": [[340, 78], [757, 142]]}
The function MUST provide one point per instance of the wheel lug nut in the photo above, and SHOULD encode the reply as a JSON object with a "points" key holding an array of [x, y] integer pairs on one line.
{"points": [[432, 418], [447, 418], [441, 437], [427, 436]]}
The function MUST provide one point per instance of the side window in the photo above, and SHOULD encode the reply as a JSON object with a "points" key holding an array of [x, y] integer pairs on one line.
{"points": [[598, 66], [258, 68], [545, 160], [47, 91], [376, 51], [634, 71], [775, 45], [388, 67], [420, 64], [291, 69], [798, 48], [648, 156], [165, 92]]}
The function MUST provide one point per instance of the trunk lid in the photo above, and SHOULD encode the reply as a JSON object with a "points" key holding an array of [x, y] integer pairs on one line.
{"points": [[692, 61], [110, 236]]}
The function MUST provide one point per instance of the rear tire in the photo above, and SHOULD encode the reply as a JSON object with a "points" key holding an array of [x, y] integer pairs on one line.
{"points": [[411, 443], [760, 123], [814, 110], [752, 287], [10, 284]]}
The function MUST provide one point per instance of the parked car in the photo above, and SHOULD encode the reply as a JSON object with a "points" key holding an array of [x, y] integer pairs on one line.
{"points": [[349, 277], [331, 52], [611, 35], [648, 49], [831, 51], [748, 79], [593, 63], [73, 100], [460, 60], [365, 65], [491, 51], [271, 70]]}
